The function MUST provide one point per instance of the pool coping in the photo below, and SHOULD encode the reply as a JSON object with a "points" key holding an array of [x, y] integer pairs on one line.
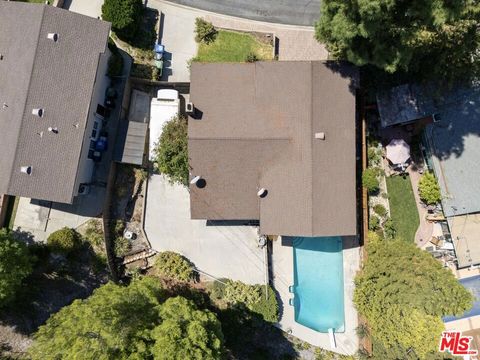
{"points": [[282, 270]]}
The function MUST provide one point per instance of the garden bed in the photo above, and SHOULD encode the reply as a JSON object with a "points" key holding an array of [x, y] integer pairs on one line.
{"points": [[402, 207]]}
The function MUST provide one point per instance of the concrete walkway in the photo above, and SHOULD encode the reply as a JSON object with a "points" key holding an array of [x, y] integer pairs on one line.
{"points": [[92, 8], [222, 251]]}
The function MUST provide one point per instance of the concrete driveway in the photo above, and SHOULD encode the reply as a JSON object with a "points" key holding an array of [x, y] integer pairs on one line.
{"points": [[92, 8], [220, 251], [294, 12]]}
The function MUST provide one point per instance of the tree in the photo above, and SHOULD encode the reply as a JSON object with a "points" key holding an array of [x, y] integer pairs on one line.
{"points": [[172, 265], [428, 189], [370, 180], [128, 322], [125, 16], [171, 151], [403, 291], [64, 241], [113, 323], [186, 332], [428, 38], [15, 266]]}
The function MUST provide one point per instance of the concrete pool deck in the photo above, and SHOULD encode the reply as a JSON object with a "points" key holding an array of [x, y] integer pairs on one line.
{"points": [[282, 270]]}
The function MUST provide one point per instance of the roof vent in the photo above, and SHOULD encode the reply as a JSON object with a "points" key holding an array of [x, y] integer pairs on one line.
{"points": [[320, 135], [189, 109], [37, 112], [26, 170], [1, 56], [262, 193], [53, 130], [53, 36], [4, 106], [197, 180]]}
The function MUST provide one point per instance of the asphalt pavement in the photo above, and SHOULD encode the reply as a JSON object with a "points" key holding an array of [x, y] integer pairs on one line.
{"points": [[293, 12]]}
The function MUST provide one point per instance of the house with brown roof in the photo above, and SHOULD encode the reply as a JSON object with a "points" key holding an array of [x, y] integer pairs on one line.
{"points": [[53, 66], [274, 142]]}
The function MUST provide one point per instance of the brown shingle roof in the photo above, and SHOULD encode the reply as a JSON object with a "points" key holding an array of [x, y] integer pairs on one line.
{"points": [[56, 76], [257, 130]]}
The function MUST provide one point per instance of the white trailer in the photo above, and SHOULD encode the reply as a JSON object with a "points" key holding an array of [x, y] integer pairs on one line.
{"points": [[162, 108]]}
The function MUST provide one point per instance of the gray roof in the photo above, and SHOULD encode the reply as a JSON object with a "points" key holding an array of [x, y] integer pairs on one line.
{"points": [[57, 76], [406, 103], [454, 143], [257, 130]]}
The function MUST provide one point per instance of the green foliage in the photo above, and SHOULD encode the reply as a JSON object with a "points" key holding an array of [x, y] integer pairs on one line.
{"points": [[115, 65], [251, 57], [402, 292], [428, 189], [94, 233], [186, 333], [373, 223], [373, 156], [217, 289], [171, 151], [125, 16], [64, 241], [15, 266], [113, 323], [205, 32], [389, 229], [253, 297], [267, 306], [428, 39], [370, 180], [122, 246], [173, 265], [380, 210], [132, 322]]}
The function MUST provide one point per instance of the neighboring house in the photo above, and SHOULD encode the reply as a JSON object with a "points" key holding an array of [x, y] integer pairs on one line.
{"points": [[453, 152], [408, 103], [274, 142], [53, 66]]}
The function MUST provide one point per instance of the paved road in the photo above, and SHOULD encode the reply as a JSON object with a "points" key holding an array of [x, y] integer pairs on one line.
{"points": [[294, 12]]}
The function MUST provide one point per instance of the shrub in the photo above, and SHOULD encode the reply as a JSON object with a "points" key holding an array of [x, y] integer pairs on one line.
{"points": [[254, 298], [374, 223], [64, 241], [267, 308], [389, 229], [380, 210], [15, 265], [373, 156], [251, 57], [94, 232], [173, 265], [428, 189], [125, 16], [370, 181], [217, 289], [171, 152], [122, 246], [205, 31]]}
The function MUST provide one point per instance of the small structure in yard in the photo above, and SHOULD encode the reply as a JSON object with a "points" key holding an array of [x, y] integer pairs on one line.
{"points": [[162, 109]]}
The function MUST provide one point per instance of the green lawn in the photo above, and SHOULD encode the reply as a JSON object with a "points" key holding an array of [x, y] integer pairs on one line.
{"points": [[402, 207], [230, 46]]}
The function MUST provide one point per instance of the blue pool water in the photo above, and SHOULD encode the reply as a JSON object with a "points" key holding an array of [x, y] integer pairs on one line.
{"points": [[473, 285], [318, 287]]}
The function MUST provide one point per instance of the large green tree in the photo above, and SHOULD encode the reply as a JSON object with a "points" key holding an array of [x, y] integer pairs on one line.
{"points": [[186, 333], [403, 291], [125, 16], [428, 38], [125, 322], [172, 150], [15, 266]]}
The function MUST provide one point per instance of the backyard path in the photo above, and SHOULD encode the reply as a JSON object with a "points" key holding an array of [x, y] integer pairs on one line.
{"points": [[425, 229]]}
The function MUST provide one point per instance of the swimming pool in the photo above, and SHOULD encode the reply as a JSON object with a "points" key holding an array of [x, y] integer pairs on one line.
{"points": [[318, 283]]}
